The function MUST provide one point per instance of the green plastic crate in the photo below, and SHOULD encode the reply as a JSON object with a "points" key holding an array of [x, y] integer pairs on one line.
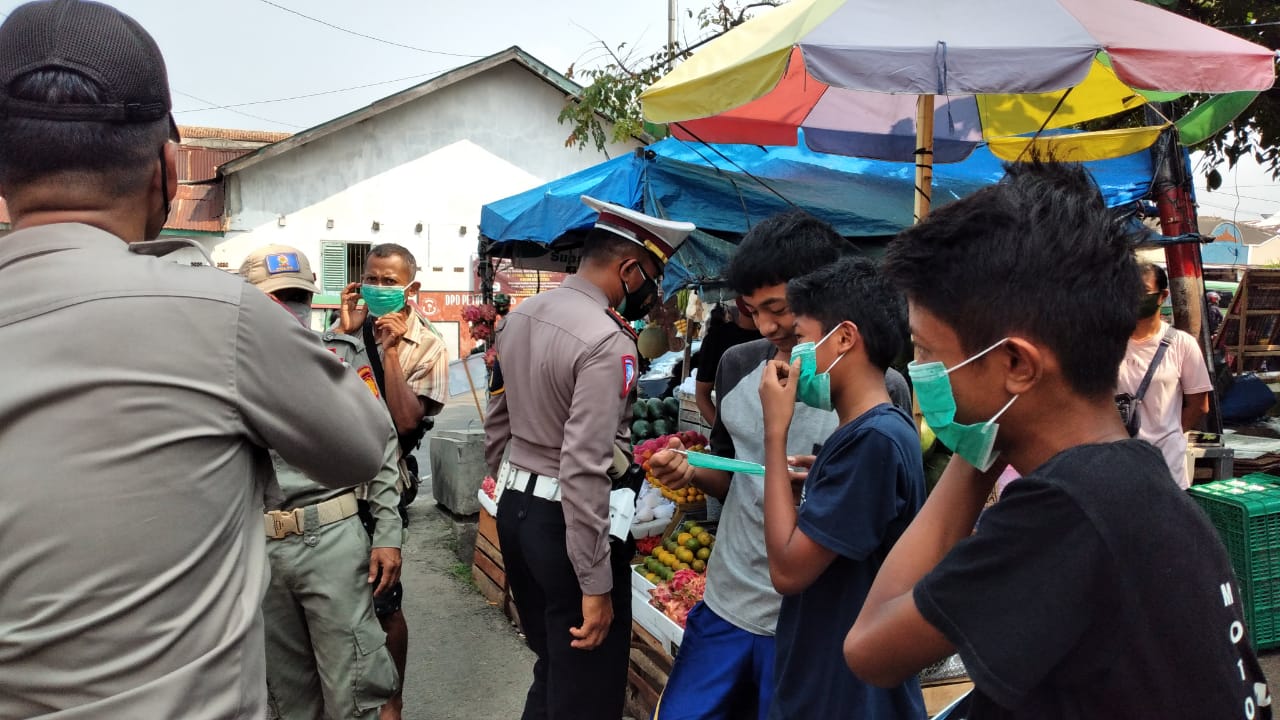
{"points": [[1246, 513]]}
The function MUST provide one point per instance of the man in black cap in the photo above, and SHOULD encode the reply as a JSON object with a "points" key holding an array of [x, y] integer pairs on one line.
{"points": [[139, 400]]}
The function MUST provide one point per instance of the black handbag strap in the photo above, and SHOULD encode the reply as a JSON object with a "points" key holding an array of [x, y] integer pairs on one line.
{"points": [[1155, 362], [375, 360], [408, 441]]}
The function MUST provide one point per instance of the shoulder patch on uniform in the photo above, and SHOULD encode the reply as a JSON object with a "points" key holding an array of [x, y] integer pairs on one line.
{"points": [[630, 374], [622, 322], [366, 374]]}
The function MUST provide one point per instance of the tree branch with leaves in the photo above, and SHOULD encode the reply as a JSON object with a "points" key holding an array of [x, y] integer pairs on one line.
{"points": [[611, 92]]}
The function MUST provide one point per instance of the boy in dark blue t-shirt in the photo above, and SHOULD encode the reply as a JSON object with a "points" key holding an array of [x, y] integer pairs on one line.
{"points": [[863, 490]]}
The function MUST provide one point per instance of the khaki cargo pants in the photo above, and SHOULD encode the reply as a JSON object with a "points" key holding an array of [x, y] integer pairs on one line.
{"points": [[326, 652]]}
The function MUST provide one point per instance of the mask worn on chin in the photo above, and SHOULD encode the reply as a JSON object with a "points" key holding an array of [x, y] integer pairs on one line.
{"points": [[975, 442], [300, 310], [637, 303], [1149, 305], [383, 300], [814, 388]]}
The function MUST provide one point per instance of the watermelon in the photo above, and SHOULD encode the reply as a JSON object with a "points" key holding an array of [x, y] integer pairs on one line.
{"points": [[672, 408], [641, 429], [640, 409], [662, 426], [654, 408]]}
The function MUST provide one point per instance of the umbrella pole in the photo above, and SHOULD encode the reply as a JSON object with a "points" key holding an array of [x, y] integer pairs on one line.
{"points": [[924, 156], [924, 189]]}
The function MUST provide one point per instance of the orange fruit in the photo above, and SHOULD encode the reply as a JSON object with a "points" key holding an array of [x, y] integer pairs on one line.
{"points": [[704, 539], [698, 566], [685, 555], [704, 553], [683, 538]]}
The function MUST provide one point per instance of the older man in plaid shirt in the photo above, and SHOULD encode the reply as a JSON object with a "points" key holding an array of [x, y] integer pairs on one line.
{"points": [[414, 377]]}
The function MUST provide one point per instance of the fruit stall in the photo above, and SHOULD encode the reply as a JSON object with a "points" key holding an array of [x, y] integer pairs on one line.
{"points": [[674, 542]]}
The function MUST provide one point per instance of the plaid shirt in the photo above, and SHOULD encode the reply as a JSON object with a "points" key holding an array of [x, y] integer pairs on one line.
{"points": [[425, 360]]}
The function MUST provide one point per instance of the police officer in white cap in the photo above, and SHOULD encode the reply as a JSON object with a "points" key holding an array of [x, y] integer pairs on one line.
{"points": [[568, 358]]}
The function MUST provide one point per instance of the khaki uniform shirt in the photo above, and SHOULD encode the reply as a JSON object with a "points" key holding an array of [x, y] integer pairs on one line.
{"points": [[138, 402], [298, 490], [569, 370]]}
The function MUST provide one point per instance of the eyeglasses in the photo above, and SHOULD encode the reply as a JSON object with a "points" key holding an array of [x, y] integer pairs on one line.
{"points": [[656, 281]]}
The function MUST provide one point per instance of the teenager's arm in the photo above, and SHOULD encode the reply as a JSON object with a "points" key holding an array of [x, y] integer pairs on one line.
{"points": [[795, 561], [891, 640]]}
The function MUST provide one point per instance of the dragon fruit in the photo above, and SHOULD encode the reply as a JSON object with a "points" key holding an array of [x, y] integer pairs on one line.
{"points": [[676, 597]]}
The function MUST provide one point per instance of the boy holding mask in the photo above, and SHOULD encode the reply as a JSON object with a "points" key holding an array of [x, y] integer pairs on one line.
{"points": [[865, 487]]}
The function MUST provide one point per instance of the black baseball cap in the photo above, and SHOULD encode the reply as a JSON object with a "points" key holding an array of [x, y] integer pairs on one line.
{"points": [[95, 40]]}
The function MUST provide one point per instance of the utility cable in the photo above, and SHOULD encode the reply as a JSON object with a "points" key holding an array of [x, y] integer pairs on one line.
{"points": [[314, 94], [368, 37], [214, 106]]}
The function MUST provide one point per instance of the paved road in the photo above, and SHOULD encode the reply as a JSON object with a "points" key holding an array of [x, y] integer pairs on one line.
{"points": [[465, 659]]}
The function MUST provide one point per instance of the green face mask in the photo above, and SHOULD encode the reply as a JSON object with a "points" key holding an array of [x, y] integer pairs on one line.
{"points": [[974, 442], [383, 300], [1149, 305], [813, 388]]}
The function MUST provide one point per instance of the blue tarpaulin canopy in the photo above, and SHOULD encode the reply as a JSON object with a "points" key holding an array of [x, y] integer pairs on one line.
{"points": [[725, 189]]}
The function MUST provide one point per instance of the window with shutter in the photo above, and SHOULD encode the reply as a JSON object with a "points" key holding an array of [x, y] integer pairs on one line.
{"points": [[333, 266]]}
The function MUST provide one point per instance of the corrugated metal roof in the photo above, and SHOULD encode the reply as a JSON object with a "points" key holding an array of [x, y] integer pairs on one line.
{"points": [[191, 132], [197, 207], [196, 164]]}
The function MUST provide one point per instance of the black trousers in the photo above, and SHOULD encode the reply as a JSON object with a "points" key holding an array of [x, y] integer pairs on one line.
{"points": [[568, 683]]}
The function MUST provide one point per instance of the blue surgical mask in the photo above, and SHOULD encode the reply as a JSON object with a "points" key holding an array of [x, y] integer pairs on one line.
{"points": [[813, 388], [976, 442]]}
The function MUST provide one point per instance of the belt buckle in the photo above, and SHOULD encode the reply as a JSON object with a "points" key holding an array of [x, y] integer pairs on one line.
{"points": [[284, 523]]}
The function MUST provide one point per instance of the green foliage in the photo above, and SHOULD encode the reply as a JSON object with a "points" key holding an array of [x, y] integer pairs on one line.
{"points": [[1255, 133], [611, 91]]}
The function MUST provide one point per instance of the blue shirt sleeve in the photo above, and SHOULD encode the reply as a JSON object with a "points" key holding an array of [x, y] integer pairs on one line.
{"points": [[861, 494]]}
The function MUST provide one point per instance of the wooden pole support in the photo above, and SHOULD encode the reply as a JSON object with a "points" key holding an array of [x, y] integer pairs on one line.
{"points": [[924, 156]]}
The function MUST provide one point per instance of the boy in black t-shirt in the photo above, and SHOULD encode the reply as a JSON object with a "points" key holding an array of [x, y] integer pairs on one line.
{"points": [[864, 488], [1094, 588]]}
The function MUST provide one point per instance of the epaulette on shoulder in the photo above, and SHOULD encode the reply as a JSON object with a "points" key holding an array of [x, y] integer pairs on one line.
{"points": [[331, 338], [622, 322]]}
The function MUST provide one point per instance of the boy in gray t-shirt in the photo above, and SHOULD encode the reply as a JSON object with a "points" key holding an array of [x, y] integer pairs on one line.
{"points": [[725, 664]]}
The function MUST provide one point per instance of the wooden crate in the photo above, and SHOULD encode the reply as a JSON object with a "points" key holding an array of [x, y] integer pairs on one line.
{"points": [[647, 673], [487, 569], [1250, 330]]}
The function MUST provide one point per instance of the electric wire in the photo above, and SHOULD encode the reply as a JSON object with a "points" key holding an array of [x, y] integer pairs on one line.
{"points": [[368, 37], [214, 106], [229, 106]]}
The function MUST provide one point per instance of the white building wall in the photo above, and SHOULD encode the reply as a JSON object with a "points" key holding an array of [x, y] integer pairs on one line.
{"points": [[433, 161]]}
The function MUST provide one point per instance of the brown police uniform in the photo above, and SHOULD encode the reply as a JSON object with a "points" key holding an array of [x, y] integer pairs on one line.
{"points": [[568, 371], [135, 425]]}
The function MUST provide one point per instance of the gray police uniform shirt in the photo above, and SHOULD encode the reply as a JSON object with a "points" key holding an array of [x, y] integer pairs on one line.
{"points": [[738, 585], [139, 400], [298, 490], [569, 368]]}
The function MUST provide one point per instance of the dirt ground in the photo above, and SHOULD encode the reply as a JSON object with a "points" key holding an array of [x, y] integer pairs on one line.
{"points": [[465, 659]]}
